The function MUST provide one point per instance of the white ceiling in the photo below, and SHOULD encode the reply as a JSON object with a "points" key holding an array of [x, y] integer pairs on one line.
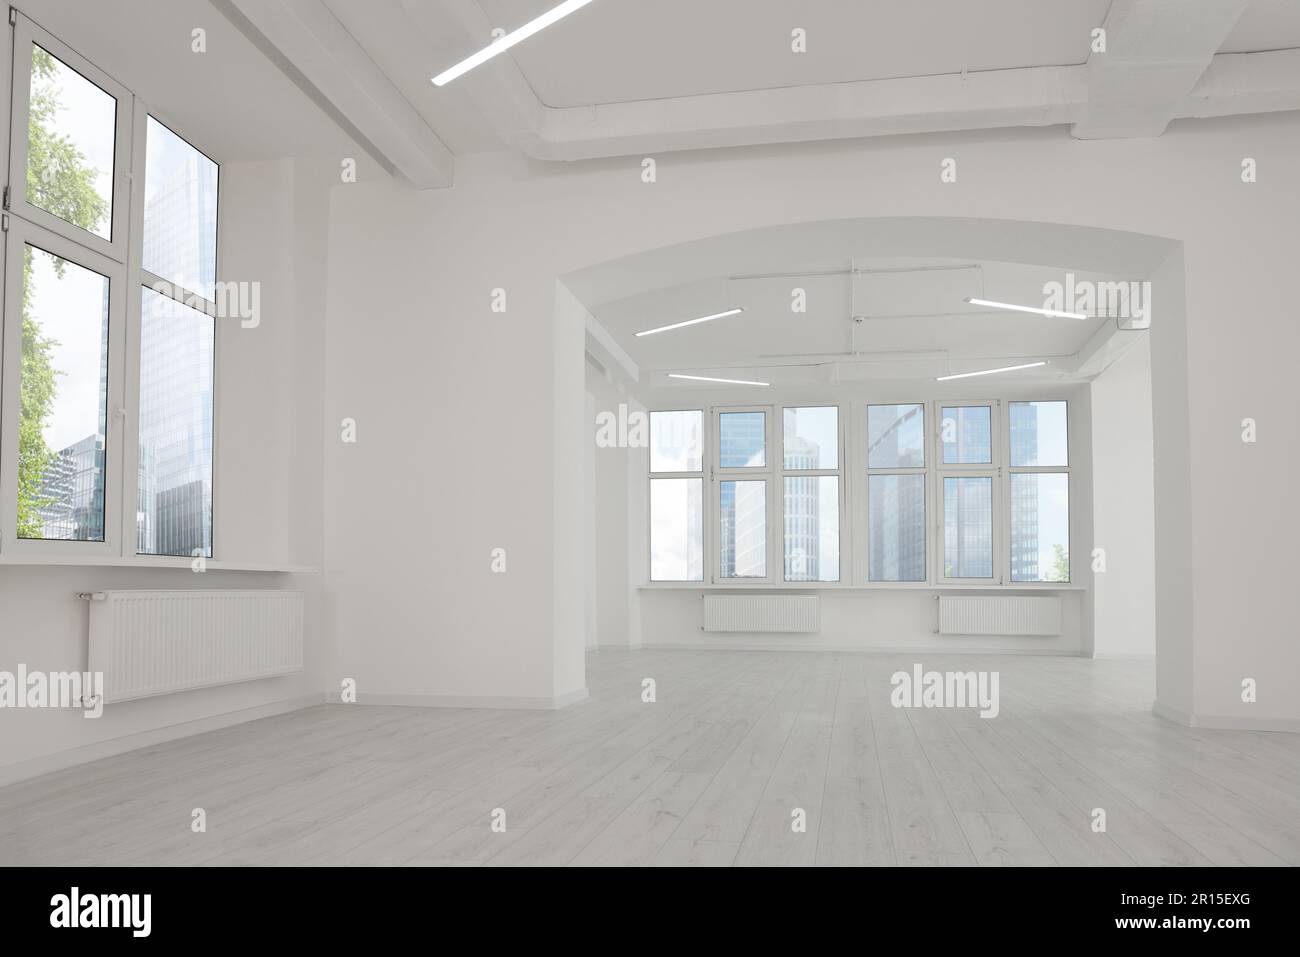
{"points": [[231, 101], [630, 77], [615, 51], [910, 313]]}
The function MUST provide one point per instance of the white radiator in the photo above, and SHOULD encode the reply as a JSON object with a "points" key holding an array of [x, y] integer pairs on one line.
{"points": [[762, 613], [999, 615], [157, 642]]}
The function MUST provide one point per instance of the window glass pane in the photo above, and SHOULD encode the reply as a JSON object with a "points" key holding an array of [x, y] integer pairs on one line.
{"points": [[1040, 527], [1038, 434], [675, 441], [896, 528], [63, 399], [895, 436], [676, 530], [967, 433], [743, 542], [174, 505], [180, 212], [968, 527], [742, 440], [812, 438], [71, 126], [812, 528]]}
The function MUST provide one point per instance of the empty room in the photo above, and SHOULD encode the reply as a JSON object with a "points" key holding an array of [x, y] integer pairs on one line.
{"points": [[605, 433]]}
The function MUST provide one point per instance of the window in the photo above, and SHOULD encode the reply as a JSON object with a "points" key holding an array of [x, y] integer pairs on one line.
{"points": [[968, 482], [896, 493], [968, 527], [811, 493], [81, 284], [177, 344], [1039, 491], [180, 213], [63, 404], [676, 496], [966, 433], [938, 493], [742, 440], [174, 495], [742, 500]]}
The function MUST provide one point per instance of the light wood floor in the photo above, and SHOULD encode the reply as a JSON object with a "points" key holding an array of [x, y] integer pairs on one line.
{"points": [[707, 775]]}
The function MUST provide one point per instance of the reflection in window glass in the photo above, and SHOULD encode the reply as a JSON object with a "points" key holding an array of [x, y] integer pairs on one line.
{"points": [[676, 530], [1040, 527], [71, 127], [180, 212], [967, 434], [675, 441], [1038, 434], [174, 504], [743, 533], [896, 528], [63, 400], [968, 527], [742, 440], [812, 528], [896, 436], [812, 438]]}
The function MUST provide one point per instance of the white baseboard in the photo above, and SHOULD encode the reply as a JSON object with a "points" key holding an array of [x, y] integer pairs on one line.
{"points": [[899, 650], [1217, 722], [62, 760], [494, 702]]}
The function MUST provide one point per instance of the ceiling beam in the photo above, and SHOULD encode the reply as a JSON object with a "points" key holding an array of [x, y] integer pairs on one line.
{"points": [[1156, 52], [310, 45]]}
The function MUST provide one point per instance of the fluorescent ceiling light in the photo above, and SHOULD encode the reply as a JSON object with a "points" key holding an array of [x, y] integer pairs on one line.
{"points": [[705, 378], [1054, 313], [690, 322], [967, 375], [509, 40]]}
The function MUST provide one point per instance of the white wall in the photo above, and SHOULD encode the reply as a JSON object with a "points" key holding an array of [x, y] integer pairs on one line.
{"points": [[266, 489], [409, 302], [1124, 506]]}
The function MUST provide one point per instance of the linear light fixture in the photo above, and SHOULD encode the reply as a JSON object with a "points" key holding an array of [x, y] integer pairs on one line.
{"points": [[1054, 313], [509, 40], [691, 322], [705, 378], [967, 375]]}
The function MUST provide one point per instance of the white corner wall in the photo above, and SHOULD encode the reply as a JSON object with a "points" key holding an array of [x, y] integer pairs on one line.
{"points": [[1124, 506]]}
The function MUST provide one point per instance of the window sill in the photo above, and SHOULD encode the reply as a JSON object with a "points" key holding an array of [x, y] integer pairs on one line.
{"points": [[162, 561]]}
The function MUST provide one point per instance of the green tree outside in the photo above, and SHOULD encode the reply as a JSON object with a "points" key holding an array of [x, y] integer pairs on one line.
{"points": [[61, 182], [1060, 564]]}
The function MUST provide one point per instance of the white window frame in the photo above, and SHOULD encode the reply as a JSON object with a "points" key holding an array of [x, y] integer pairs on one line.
{"points": [[25, 33], [18, 236], [837, 473], [863, 467], [992, 470], [1012, 470], [751, 473], [142, 278], [701, 476], [121, 259]]}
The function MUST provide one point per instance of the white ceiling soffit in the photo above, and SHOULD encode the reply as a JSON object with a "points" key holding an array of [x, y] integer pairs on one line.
{"points": [[319, 54], [1156, 53]]}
